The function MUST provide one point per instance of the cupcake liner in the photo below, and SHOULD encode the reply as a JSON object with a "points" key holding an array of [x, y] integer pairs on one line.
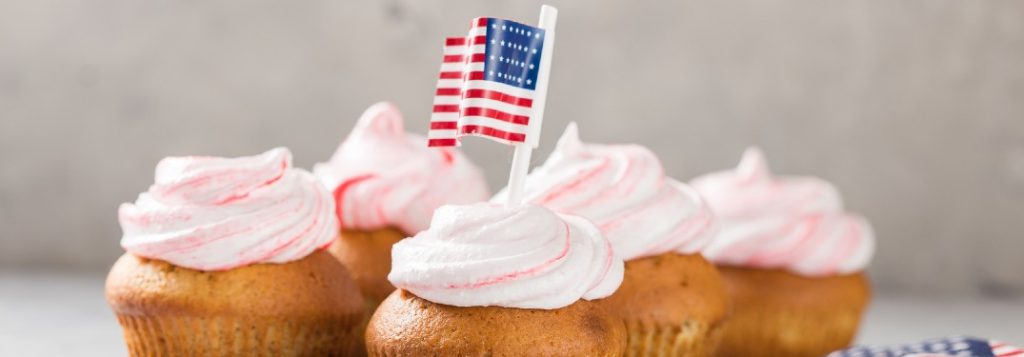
{"points": [[237, 336], [691, 338]]}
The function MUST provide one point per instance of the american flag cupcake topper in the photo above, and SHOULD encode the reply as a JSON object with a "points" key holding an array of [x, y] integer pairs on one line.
{"points": [[493, 84]]}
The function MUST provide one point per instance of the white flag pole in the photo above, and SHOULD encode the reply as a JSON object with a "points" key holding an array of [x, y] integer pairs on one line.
{"points": [[521, 156]]}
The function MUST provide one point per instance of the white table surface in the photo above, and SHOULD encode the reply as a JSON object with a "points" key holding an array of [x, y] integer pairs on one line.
{"points": [[58, 314]]}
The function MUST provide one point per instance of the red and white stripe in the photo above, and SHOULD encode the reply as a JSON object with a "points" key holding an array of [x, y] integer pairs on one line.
{"points": [[1000, 349], [466, 104]]}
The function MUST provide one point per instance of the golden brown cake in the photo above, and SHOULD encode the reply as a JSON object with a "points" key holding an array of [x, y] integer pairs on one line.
{"points": [[778, 313], [406, 325], [367, 255], [672, 305], [498, 280], [302, 308]]}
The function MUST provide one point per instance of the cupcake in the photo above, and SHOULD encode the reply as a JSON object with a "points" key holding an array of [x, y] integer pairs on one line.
{"points": [[672, 300], [492, 280], [792, 258], [225, 256], [386, 184]]}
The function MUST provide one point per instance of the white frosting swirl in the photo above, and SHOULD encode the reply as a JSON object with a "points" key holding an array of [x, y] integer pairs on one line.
{"points": [[623, 189], [795, 223], [382, 176], [525, 256], [211, 213]]}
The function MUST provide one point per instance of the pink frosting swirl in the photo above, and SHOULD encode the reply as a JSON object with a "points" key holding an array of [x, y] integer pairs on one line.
{"points": [[382, 176], [212, 213], [525, 256], [623, 189], [795, 223]]}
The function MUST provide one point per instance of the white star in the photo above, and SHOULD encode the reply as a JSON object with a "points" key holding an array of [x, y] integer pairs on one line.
{"points": [[494, 26], [537, 35], [503, 27], [528, 81], [502, 42], [531, 65], [490, 73], [492, 42], [492, 57], [534, 50], [528, 33]]}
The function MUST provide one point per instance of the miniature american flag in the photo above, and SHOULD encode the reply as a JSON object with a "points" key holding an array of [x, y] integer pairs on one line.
{"points": [[952, 346], [487, 86]]}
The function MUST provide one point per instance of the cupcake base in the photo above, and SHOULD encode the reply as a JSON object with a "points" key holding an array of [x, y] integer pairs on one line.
{"points": [[778, 313], [367, 256], [673, 305], [306, 307], [406, 325]]}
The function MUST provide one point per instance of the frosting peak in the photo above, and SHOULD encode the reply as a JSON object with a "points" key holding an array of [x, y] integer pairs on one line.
{"points": [[525, 256], [623, 189], [795, 223], [381, 176], [212, 213], [753, 166]]}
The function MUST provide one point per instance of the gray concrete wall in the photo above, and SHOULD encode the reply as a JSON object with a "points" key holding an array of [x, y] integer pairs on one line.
{"points": [[914, 108]]}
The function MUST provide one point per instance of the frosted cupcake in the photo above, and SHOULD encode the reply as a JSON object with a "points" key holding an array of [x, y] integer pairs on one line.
{"points": [[225, 257], [386, 184], [490, 280], [792, 258], [672, 300]]}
